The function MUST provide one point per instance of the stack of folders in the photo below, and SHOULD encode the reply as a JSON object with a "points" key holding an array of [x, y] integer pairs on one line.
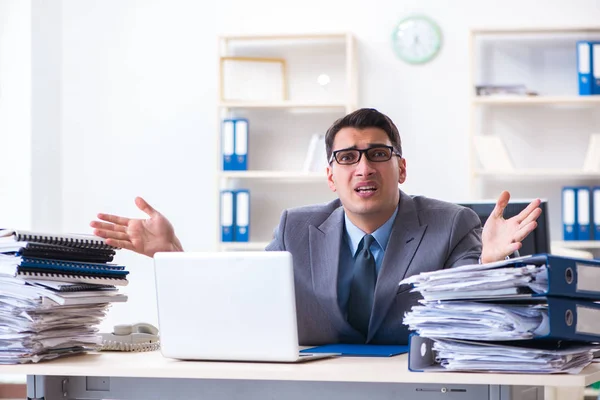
{"points": [[533, 314], [234, 144], [235, 215], [588, 67], [581, 212], [54, 292]]}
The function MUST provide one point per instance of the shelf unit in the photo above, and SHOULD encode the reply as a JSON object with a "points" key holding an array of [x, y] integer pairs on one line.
{"points": [[280, 130], [536, 100], [578, 244], [545, 135]]}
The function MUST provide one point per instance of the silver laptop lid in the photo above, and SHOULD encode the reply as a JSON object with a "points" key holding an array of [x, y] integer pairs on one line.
{"points": [[227, 306]]}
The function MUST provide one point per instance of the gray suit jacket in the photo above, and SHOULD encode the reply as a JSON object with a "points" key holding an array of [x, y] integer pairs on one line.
{"points": [[427, 235]]}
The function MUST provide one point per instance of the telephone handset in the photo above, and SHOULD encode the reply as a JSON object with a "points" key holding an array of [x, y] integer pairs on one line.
{"points": [[136, 337]]}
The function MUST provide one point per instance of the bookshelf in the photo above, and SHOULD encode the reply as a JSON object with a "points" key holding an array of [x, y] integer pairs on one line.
{"points": [[280, 129], [546, 136], [537, 100]]}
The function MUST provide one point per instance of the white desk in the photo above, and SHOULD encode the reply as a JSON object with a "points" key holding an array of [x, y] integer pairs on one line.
{"points": [[150, 376]]}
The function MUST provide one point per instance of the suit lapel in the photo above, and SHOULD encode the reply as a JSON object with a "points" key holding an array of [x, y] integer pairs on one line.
{"points": [[325, 242], [405, 238]]}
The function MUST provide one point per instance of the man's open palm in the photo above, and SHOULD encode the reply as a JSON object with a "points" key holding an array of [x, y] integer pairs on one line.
{"points": [[144, 236], [502, 237]]}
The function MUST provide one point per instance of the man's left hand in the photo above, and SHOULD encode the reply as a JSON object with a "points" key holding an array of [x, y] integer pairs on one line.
{"points": [[502, 237]]}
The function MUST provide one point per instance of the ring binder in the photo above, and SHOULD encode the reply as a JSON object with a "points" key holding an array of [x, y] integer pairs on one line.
{"points": [[70, 240], [100, 280]]}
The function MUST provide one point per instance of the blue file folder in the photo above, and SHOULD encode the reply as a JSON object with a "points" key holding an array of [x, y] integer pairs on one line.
{"points": [[359, 350], [585, 68], [422, 357], [572, 319], [241, 144], [569, 213], [567, 277], [227, 215], [583, 213], [227, 144], [596, 212], [242, 215], [596, 68]]}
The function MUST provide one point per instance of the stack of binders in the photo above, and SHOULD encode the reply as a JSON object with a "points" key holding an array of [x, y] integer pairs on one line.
{"points": [[235, 215], [581, 213], [533, 314], [234, 144], [588, 67], [55, 291]]}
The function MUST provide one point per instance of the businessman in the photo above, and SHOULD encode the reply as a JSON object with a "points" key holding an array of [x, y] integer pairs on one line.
{"points": [[350, 254]]}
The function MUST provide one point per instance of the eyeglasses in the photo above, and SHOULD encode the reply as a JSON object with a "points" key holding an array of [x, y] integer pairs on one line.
{"points": [[373, 154]]}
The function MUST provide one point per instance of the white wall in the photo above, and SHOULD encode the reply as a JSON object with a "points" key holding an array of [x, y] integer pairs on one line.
{"points": [[139, 96], [46, 115], [15, 113]]}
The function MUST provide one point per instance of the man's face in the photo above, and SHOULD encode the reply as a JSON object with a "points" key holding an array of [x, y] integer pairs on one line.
{"points": [[366, 189]]}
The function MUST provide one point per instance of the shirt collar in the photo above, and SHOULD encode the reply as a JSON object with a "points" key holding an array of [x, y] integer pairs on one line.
{"points": [[382, 235]]}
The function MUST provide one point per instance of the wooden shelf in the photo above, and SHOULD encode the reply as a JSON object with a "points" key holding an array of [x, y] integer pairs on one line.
{"points": [[336, 36], [533, 100], [283, 105], [243, 246], [578, 244], [535, 30], [542, 174], [277, 175]]}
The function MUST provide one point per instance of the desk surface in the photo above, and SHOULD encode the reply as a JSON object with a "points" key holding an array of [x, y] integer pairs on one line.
{"points": [[343, 369]]}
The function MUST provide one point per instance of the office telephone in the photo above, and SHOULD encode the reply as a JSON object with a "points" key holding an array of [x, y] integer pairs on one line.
{"points": [[136, 337]]}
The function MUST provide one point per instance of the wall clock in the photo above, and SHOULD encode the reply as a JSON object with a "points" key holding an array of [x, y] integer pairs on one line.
{"points": [[417, 39]]}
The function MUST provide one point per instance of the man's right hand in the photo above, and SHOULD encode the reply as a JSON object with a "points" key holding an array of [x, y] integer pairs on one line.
{"points": [[144, 236]]}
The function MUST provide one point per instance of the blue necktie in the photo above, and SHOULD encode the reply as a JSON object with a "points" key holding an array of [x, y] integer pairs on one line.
{"points": [[362, 289]]}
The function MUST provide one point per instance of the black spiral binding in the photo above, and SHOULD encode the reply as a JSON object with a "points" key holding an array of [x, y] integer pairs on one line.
{"points": [[57, 276], [70, 264], [64, 241]]}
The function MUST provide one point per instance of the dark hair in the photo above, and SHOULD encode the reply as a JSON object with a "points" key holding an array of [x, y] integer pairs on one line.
{"points": [[362, 119]]}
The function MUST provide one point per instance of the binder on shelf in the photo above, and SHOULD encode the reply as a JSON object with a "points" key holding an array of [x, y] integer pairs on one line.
{"points": [[241, 144], [585, 67], [596, 68], [227, 215], [227, 144], [596, 212], [242, 215], [569, 213], [583, 213]]}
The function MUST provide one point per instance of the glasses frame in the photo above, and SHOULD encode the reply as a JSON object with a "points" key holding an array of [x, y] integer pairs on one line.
{"points": [[364, 151]]}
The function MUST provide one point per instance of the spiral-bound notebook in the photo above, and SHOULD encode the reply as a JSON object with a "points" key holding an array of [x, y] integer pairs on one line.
{"points": [[70, 287], [66, 271], [63, 239], [57, 252], [72, 278]]}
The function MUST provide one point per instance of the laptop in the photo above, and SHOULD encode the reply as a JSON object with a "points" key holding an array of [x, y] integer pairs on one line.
{"points": [[234, 306]]}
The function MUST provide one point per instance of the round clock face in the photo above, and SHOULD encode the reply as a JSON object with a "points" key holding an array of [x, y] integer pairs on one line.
{"points": [[417, 39]]}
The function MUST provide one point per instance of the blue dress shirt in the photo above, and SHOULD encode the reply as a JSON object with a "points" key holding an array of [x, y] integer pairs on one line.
{"points": [[352, 237]]}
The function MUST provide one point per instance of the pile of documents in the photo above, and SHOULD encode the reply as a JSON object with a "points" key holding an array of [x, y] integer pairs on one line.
{"points": [[536, 314], [54, 292]]}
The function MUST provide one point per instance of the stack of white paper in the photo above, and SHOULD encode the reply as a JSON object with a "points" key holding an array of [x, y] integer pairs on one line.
{"points": [[473, 321], [486, 317], [480, 281], [37, 323], [457, 355]]}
